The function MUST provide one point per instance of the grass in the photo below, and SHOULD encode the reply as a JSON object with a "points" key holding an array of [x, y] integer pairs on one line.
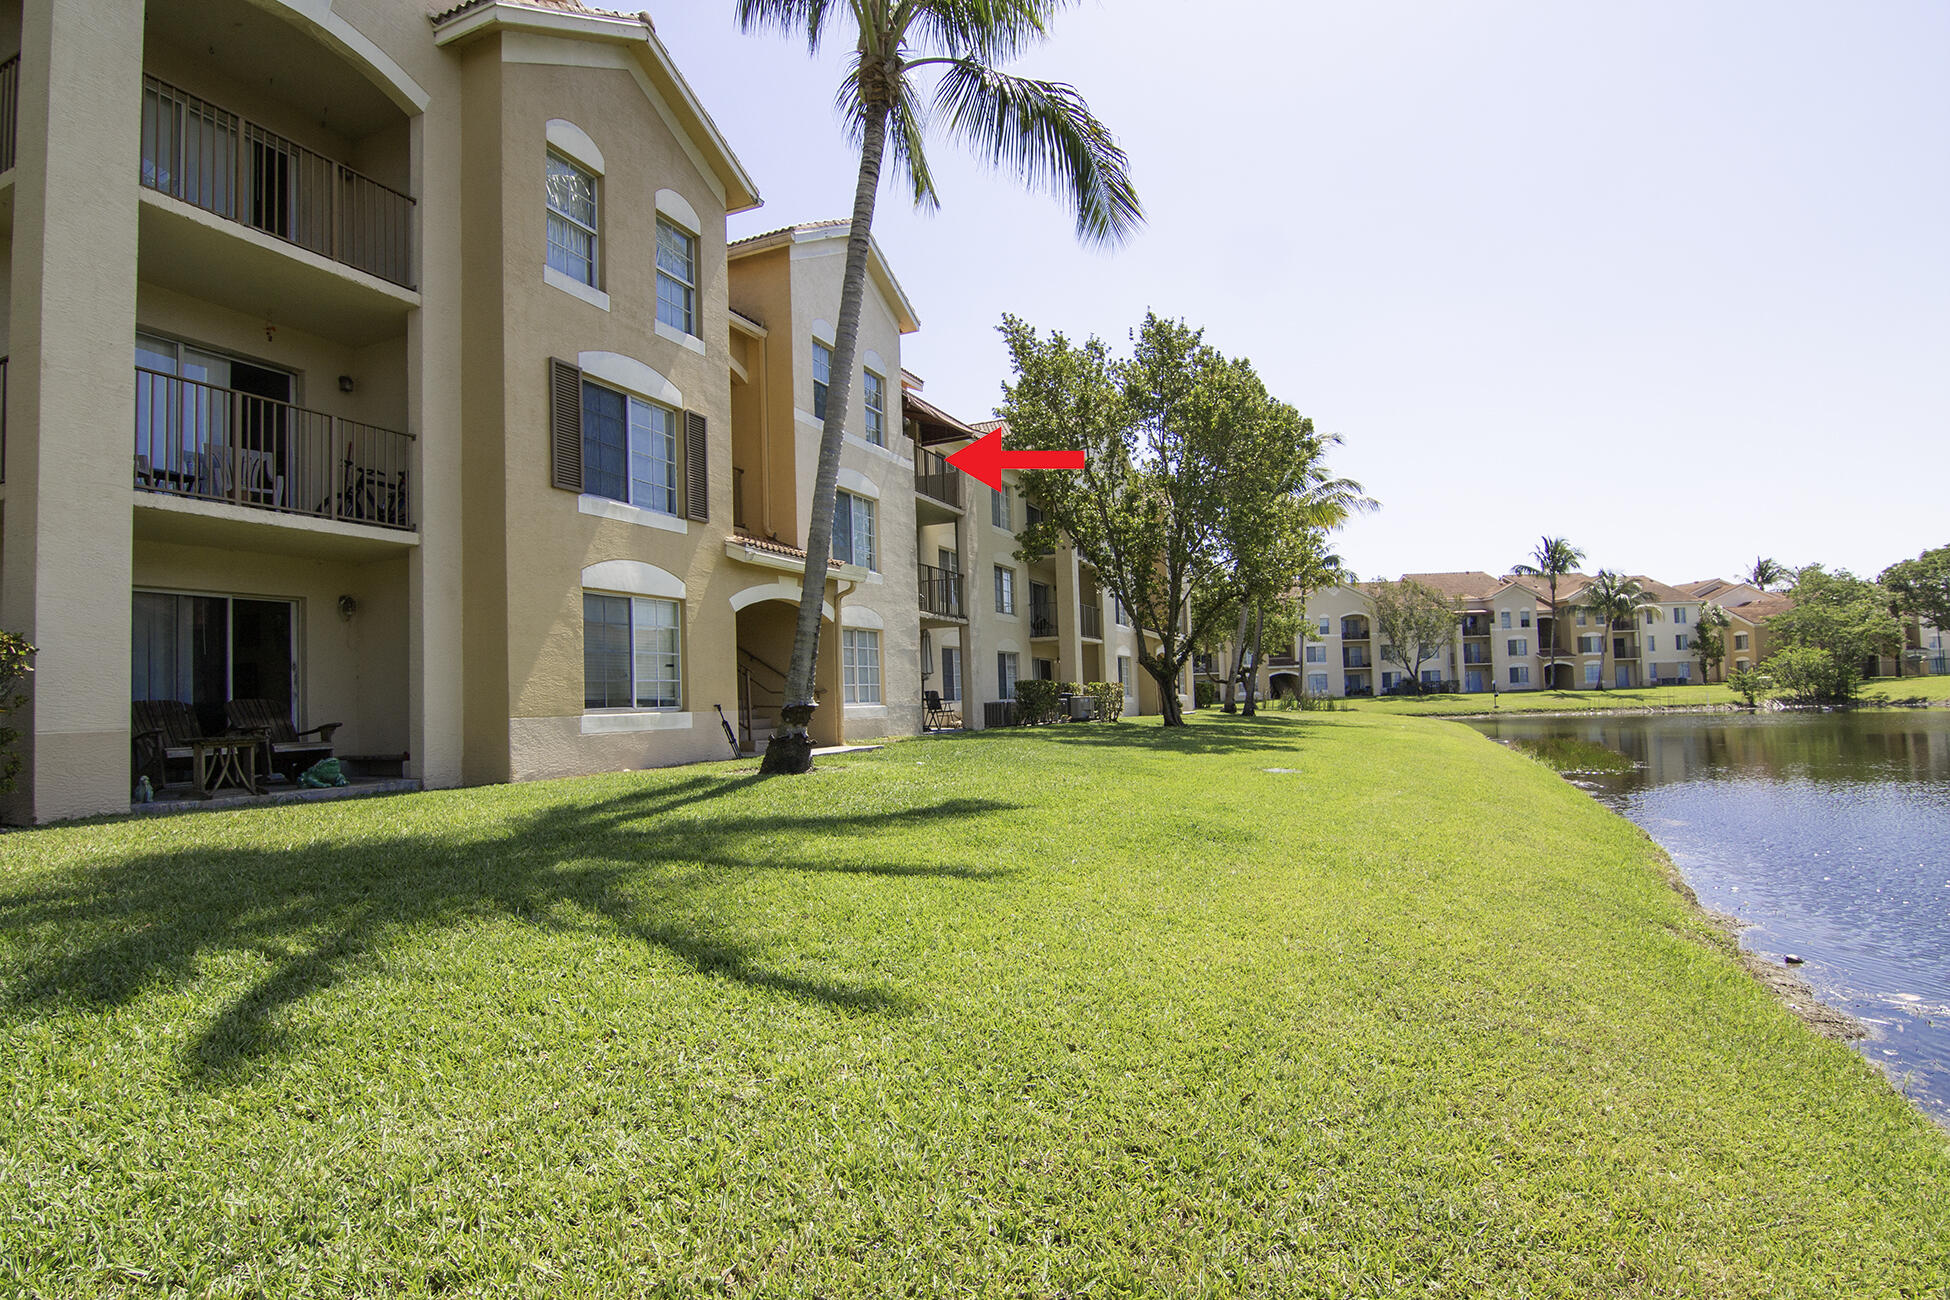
{"points": [[1302, 1005], [1879, 691]]}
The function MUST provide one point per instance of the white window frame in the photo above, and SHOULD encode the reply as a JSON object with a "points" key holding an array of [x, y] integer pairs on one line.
{"points": [[1523, 618], [1594, 672], [1316, 654], [860, 665], [1518, 646], [1124, 674], [822, 359], [862, 519], [1005, 589], [637, 447], [951, 674], [1002, 511], [1008, 671], [873, 396], [687, 288], [1505, 621], [593, 229], [1519, 674], [639, 606]]}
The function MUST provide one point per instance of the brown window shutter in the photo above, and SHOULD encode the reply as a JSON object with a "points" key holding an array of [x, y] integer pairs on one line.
{"points": [[697, 468], [565, 425]]}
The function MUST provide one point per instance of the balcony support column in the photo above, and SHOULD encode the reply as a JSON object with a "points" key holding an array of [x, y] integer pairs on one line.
{"points": [[68, 547], [1069, 616]]}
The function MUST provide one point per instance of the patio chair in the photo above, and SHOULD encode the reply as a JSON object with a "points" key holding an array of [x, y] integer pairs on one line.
{"points": [[935, 715], [161, 732], [284, 748]]}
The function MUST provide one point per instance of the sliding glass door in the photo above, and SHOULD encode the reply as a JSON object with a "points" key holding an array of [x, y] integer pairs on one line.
{"points": [[208, 650]]}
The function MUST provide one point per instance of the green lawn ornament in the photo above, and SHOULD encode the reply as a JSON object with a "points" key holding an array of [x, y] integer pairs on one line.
{"points": [[322, 775]]}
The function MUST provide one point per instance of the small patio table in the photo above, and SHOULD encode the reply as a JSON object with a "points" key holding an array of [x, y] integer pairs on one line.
{"points": [[220, 761]]}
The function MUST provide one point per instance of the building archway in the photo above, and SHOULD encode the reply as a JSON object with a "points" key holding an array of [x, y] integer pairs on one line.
{"points": [[767, 619]]}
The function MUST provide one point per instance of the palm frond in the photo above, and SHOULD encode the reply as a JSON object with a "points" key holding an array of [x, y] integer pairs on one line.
{"points": [[809, 18], [984, 31], [1044, 133]]}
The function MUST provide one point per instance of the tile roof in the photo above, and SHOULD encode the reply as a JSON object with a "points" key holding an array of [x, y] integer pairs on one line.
{"points": [[1456, 586], [784, 230], [1762, 608], [452, 11], [1660, 591], [947, 427], [776, 548]]}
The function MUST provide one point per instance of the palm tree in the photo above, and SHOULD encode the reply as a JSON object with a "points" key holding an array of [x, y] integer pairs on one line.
{"points": [[1554, 558], [1617, 601], [1766, 573], [1041, 131]]}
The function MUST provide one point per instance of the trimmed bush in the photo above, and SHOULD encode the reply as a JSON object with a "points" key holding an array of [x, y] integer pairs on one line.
{"points": [[14, 667], [1036, 702], [1205, 694], [1109, 699]]}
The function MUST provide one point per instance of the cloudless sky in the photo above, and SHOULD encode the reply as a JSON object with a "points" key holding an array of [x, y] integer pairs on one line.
{"points": [[1670, 278]]}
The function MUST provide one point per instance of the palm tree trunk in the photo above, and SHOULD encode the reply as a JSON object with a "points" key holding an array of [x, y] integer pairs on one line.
{"points": [[1238, 659], [1551, 673], [790, 749]]}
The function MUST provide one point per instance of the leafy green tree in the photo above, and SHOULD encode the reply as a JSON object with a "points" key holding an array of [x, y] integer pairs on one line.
{"points": [[1710, 638], [1617, 602], [1806, 675], [1920, 588], [15, 665], [1749, 684], [1170, 433], [1554, 558], [1041, 132], [1415, 623], [1844, 617]]}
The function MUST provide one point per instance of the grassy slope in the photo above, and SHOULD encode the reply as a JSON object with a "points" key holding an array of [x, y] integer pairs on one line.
{"points": [[1076, 1012], [1882, 690]]}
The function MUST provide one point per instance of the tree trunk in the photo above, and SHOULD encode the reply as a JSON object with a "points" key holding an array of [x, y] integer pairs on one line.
{"points": [[1166, 677], [1259, 637], [1238, 658], [790, 749]]}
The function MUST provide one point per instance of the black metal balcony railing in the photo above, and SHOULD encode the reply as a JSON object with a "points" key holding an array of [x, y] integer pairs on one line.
{"points": [[935, 478], [941, 592], [1042, 617], [1355, 659], [9, 111], [211, 157], [1092, 621], [1475, 655], [1354, 630], [1475, 627], [218, 444]]}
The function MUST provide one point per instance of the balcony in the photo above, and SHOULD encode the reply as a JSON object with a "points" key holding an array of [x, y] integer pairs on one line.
{"points": [[941, 593], [228, 447], [1354, 629], [1356, 658], [1475, 625], [1477, 655], [935, 479], [213, 159], [9, 111], [1042, 617], [1092, 621]]}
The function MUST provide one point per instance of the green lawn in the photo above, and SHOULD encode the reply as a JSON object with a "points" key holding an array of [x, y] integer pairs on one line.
{"points": [[1881, 690], [1077, 1012]]}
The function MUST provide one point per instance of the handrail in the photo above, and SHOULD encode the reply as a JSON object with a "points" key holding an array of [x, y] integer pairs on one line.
{"points": [[935, 478], [224, 163], [9, 112], [199, 440], [776, 672]]}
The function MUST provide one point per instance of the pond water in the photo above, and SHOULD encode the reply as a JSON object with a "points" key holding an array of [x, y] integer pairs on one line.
{"points": [[1827, 834]]}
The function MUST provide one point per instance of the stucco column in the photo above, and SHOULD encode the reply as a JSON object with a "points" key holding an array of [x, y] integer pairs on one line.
{"points": [[1069, 616], [71, 399], [433, 375]]}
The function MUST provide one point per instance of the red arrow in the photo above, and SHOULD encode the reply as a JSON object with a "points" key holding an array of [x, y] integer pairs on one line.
{"points": [[984, 459]]}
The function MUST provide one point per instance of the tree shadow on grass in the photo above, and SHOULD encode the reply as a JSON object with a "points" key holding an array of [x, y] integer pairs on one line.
{"points": [[1209, 733], [640, 864]]}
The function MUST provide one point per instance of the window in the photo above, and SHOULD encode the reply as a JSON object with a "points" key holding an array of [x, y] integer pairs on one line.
{"points": [[1519, 675], [208, 650], [1679, 642], [1388, 680], [950, 673], [948, 560], [1316, 654], [571, 220], [1005, 590], [1118, 614], [1506, 618], [1651, 642], [1742, 665], [853, 530], [1580, 618], [860, 665], [1432, 677], [1519, 646], [1679, 614], [1001, 513], [1651, 617], [876, 399], [1739, 640], [1005, 675], [629, 449], [1324, 629], [1124, 672], [1591, 645], [1591, 672], [822, 376], [1524, 618], [630, 652], [1045, 670], [1317, 683], [676, 277]]}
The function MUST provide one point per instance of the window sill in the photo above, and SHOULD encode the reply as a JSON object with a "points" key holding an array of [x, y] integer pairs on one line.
{"points": [[866, 711], [887, 453], [575, 288], [680, 338], [623, 512], [629, 721]]}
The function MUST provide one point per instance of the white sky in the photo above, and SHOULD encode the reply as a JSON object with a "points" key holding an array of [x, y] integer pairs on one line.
{"points": [[1669, 278]]}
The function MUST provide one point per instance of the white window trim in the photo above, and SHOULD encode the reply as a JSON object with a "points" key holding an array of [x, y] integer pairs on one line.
{"points": [[625, 513], [575, 288], [573, 143], [632, 718]]}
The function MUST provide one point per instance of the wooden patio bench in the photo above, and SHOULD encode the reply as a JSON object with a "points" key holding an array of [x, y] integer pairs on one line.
{"points": [[284, 748]]}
